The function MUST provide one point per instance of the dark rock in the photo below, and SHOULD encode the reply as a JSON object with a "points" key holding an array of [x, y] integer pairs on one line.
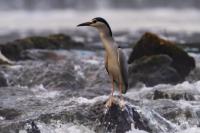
{"points": [[114, 119], [9, 113], [151, 44], [153, 70], [3, 80], [32, 128], [121, 120], [13, 50], [173, 95]]}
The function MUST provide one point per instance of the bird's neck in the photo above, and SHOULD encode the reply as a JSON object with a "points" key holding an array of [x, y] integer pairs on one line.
{"points": [[108, 41]]}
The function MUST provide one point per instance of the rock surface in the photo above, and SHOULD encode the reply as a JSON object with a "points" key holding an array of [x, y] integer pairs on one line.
{"points": [[153, 70], [13, 50], [150, 44]]}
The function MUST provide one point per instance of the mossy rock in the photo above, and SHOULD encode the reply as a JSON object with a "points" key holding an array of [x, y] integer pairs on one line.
{"points": [[151, 44], [13, 50]]}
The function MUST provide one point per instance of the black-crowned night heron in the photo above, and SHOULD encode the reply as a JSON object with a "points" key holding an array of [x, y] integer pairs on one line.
{"points": [[115, 60]]}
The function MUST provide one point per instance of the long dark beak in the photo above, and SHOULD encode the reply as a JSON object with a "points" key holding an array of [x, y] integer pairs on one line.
{"points": [[85, 24]]}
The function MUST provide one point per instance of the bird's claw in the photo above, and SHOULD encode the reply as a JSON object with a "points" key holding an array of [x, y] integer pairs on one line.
{"points": [[109, 102], [122, 104]]}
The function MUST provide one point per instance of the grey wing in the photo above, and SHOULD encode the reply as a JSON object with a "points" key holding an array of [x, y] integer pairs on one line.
{"points": [[123, 67], [106, 62]]}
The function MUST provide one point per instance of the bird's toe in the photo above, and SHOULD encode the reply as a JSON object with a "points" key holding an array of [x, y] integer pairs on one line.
{"points": [[109, 102], [122, 104]]}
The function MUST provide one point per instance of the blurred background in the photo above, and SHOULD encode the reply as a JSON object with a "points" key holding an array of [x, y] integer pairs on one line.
{"points": [[20, 18], [58, 83]]}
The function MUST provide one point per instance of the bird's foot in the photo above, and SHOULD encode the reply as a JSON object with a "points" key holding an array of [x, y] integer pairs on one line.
{"points": [[109, 102], [122, 104]]}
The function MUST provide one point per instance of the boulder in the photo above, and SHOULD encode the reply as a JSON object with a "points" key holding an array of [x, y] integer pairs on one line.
{"points": [[120, 121], [14, 49], [153, 70], [150, 44]]}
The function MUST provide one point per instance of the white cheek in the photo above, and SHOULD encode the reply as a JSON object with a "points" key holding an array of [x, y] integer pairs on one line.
{"points": [[97, 24]]}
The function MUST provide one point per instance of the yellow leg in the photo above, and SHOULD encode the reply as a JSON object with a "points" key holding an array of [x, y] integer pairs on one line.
{"points": [[110, 100]]}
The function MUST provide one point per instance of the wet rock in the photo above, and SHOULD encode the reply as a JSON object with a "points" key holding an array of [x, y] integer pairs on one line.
{"points": [[9, 113], [13, 50], [32, 127], [114, 119], [151, 44], [153, 70], [51, 75], [120, 121], [44, 55], [173, 95], [3, 80], [176, 112]]}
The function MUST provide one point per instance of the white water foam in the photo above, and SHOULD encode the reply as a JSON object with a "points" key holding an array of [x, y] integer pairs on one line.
{"points": [[136, 131], [57, 127], [190, 130]]}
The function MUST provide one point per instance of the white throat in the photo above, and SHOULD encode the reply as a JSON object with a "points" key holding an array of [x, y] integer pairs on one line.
{"points": [[107, 39]]}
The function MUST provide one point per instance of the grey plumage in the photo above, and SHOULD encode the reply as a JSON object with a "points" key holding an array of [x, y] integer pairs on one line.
{"points": [[123, 68]]}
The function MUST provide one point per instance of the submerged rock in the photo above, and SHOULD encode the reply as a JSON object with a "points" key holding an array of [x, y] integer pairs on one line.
{"points": [[150, 44], [9, 113], [13, 50], [173, 95]]}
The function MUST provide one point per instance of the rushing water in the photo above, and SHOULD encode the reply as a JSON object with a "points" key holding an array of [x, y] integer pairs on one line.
{"points": [[45, 90]]}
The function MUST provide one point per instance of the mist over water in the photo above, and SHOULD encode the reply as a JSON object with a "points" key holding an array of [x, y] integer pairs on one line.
{"points": [[24, 16]]}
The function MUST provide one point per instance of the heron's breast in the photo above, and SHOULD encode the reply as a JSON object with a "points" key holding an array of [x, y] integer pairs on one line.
{"points": [[113, 68]]}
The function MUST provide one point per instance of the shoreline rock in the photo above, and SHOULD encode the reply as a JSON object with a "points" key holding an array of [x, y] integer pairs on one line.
{"points": [[14, 49]]}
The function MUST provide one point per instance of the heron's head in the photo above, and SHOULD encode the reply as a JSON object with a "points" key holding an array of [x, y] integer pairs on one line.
{"points": [[99, 23]]}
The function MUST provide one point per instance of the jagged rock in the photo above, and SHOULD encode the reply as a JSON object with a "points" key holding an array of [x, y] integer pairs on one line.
{"points": [[102, 119], [150, 44], [13, 50], [153, 70], [120, 121]]}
